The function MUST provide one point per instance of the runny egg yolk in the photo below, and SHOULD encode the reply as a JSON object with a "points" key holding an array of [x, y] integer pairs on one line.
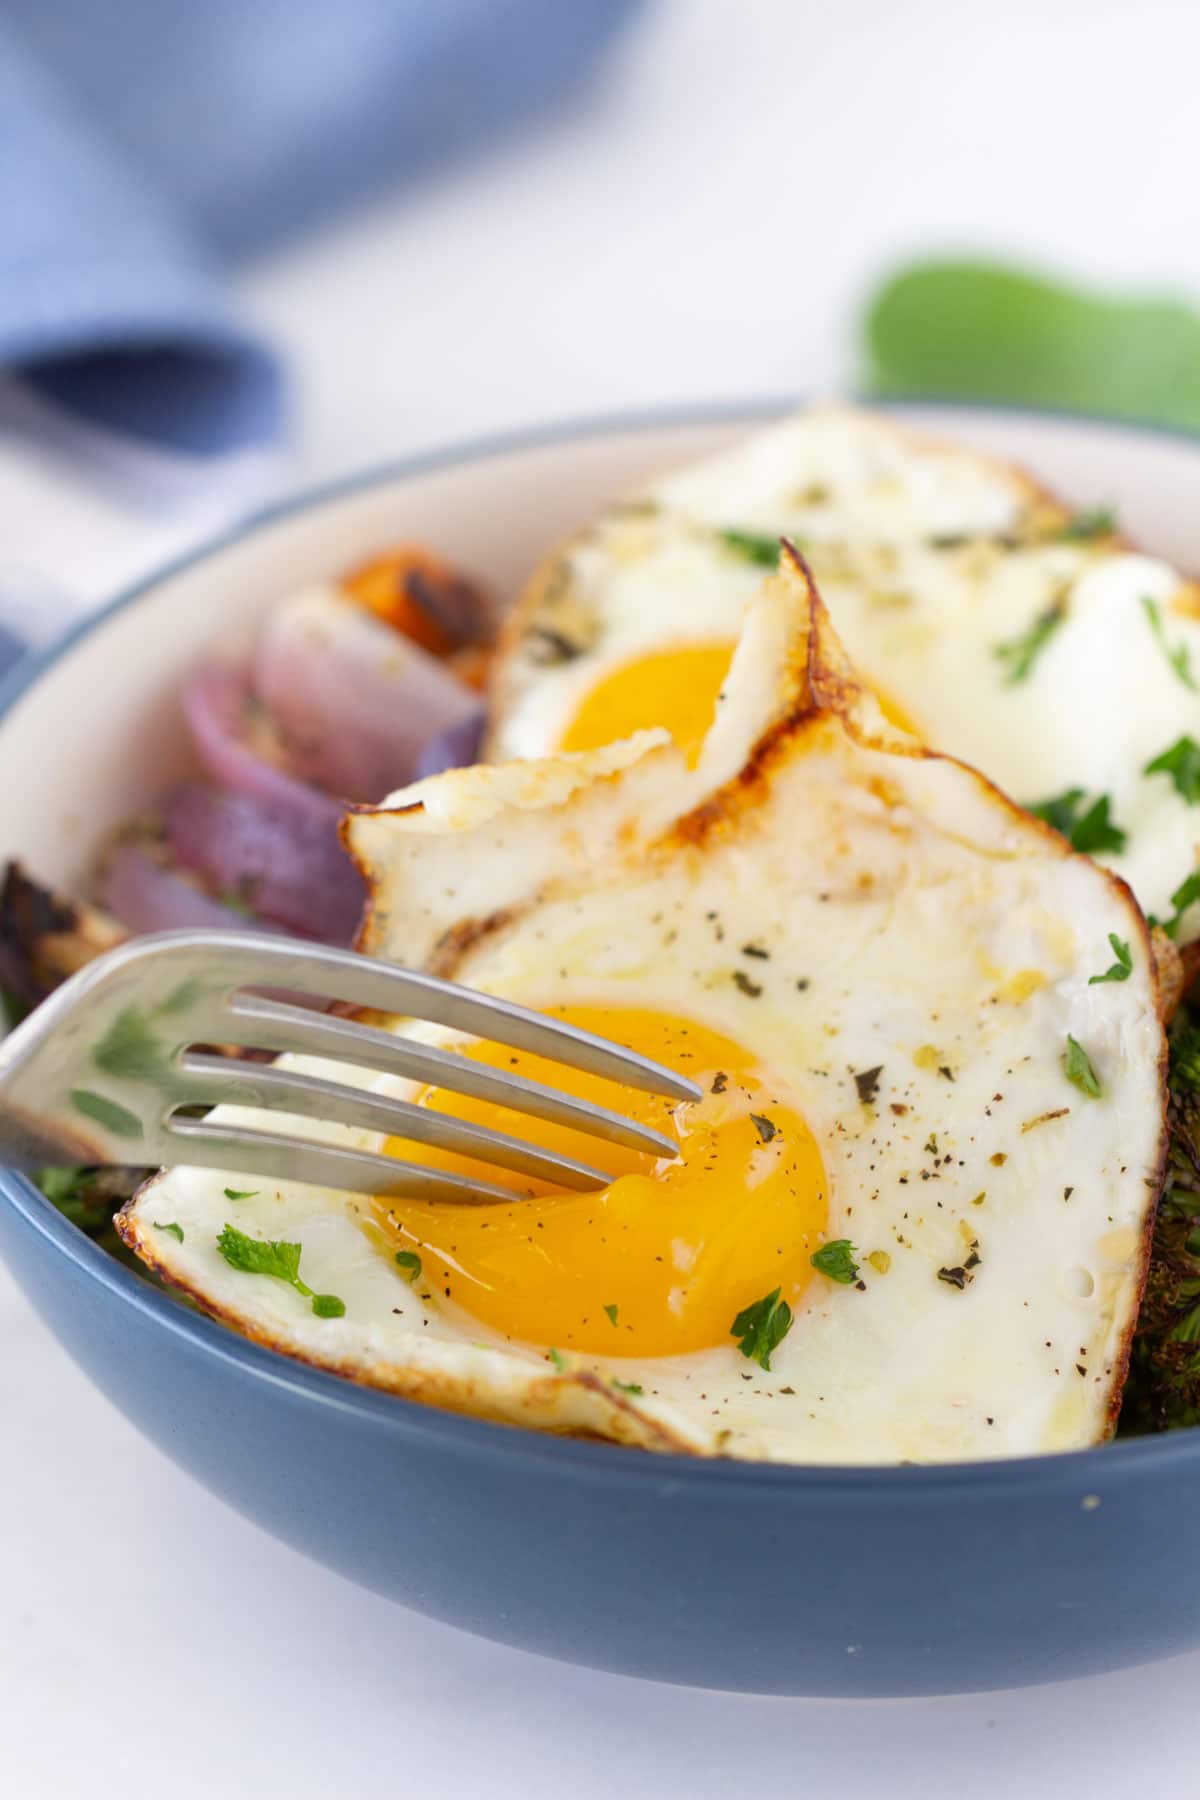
{"points": [[676, 688], [663, 1259]]}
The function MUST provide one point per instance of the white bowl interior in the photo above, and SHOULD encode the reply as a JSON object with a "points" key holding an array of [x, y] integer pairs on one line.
{"points": [[99, 736]]}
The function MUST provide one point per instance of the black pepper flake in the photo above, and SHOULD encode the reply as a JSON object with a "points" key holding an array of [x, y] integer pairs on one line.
{"points": [[787, 1390], [756, 950], [1067, 1192], [766, 1128], [720, 1082], [1079, 1369], [743, 981], [947, 1072], [973, 1261], [956, 1278], [802, 984], [867, 1083]]}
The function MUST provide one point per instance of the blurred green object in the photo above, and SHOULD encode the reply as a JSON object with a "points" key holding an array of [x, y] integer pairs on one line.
{"points": [[981, 331]]}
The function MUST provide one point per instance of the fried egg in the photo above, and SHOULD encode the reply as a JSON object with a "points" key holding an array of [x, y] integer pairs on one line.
{"points": [[987, 620], [909, 1215]]}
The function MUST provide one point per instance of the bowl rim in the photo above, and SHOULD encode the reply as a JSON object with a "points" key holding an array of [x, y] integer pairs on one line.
{"points": [[1076, 1473]]}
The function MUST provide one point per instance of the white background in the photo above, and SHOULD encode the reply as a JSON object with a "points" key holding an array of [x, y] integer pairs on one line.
{"points": [[701, 227]]}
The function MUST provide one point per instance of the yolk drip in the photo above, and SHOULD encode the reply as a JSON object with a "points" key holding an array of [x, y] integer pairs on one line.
{"points": [[675, 688], [663, 1259]]}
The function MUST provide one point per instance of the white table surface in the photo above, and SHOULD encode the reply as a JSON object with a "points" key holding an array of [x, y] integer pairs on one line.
{"points": [[700, 228]]}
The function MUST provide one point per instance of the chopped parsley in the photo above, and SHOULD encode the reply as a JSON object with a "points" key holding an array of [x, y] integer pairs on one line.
{"points": [[117, 1119], [556, 1359], [175, 1230], [1122, 968], [129, 1048], [611, 1311], [1019, 654], [1178, 656], [1091, 832], [836, 1260], [1077, 1067], [1184, 896], [280, 1260], [1182, 763], [241, 1193], [1090, 522], [628, 1387], [753, 546], [766, 1128], [410, 1263], [761, 1327], [750, 988]]}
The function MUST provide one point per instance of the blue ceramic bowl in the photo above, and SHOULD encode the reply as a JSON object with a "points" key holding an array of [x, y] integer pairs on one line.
{"points": [[851, 1582]]}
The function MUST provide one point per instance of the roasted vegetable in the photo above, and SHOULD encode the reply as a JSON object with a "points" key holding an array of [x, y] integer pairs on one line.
{"points": [[1163, 1388], [44, 937]]}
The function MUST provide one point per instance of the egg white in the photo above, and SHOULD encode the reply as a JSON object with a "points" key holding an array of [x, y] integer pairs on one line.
{"points": [[929, 560], [944, 939]]}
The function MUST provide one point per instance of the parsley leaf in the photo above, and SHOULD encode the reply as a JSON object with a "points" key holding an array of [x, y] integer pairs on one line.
{"points": [[1019, 654], [171, 1226], [754, 546], [612, 1313], [1122, 968], [836, 1260], [241, 1193], [410, 1263], [1089, 522], [279, 1259], [557, 1359], [1077, 1067], [1182, 763], [129, 1048], [628, 1387], [1091, 832], [761, 1327], [1178, 655], [1185, 894]]}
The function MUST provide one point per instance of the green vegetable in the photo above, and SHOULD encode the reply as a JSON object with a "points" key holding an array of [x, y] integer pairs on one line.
{"points": [[175, 1230], [753, 546], [982, 331], [1184, 896], [1178, 655], [612, 1313], [1182, 763], [280, 1260], [761, 1327], [1122, 968], [1077, 1067], [1185, 1059], [410, 1262], [836, 1260], [628, 1387], [1163, 1388], [241, 1193], [1096, 522], [557, 1359], [1092, 832], [1019, 654]]}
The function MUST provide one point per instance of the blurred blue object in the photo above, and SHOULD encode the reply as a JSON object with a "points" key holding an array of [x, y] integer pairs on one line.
{"points": [[143, 143]]}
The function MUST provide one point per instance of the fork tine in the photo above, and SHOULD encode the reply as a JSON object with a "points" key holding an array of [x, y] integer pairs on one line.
{"points": [[275, 1024], [219, 1078], [253, 961], [277, 1156]]}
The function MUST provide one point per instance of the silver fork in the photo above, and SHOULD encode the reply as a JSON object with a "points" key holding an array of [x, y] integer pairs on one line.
{"points": [[101, 1071]]}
